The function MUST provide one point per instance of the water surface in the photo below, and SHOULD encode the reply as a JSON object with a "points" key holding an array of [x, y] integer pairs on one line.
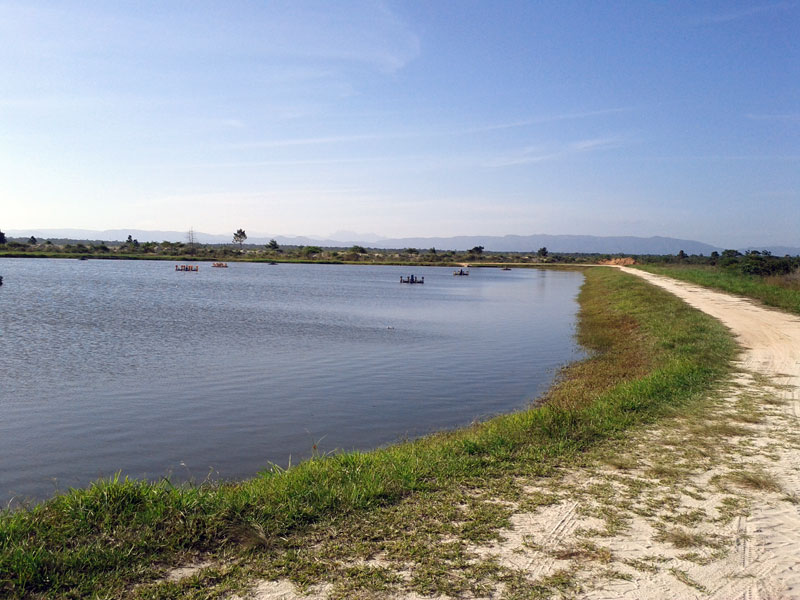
{"points": [[130, 366]]}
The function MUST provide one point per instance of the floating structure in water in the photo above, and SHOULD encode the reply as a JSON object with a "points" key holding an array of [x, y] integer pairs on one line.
{"points": [[412, 279], [220, 265], [461, 273], [187, 267]]}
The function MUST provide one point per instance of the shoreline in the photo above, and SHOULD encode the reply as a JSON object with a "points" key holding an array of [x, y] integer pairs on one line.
{"points": [[287, 261], [280, 503]]}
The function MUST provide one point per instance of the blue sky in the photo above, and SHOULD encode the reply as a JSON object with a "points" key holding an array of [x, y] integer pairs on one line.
{"points": [[437, 118]]}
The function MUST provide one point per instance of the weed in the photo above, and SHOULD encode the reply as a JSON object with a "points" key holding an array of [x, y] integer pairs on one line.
{"points": [[756, 479], [684, 578]]}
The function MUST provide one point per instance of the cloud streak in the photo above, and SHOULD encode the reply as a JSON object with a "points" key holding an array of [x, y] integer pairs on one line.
{"points": [[782, 117], [745, 13], [343, 139], [537, 155]]}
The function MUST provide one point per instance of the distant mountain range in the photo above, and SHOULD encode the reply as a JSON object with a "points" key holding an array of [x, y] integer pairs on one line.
{"points": [[587, 244]]}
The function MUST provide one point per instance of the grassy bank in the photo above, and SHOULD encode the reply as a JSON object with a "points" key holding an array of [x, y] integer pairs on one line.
{"points": [[780, 292], [653, 356]]}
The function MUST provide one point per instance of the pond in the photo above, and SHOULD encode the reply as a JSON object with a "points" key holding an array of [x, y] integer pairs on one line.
{"points": [[132, 367]]}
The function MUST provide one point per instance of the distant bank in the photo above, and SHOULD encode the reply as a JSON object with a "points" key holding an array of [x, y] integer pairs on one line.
{"points": [[580, 244]]}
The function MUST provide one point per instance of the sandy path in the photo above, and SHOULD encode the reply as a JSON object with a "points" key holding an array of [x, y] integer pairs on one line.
{"points": [[676, 521], [767, 544], [771, 338]]}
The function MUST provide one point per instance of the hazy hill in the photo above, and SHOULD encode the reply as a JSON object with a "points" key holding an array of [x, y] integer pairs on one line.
{"points": [[506, 243], [556, 243]]}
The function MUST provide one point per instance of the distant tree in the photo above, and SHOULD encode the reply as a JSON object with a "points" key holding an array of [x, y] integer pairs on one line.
{"points": [[682, 255], [542, 252], [2, 238], [239, 237], [432, 250], [477, 250], [273, 245], [731, 253], [412, 251], [715, 255], [309, 250], [358, 249], [32, 241]]}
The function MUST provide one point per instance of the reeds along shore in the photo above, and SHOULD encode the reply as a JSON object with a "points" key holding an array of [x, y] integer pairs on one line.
{"points": [[652, 355]]}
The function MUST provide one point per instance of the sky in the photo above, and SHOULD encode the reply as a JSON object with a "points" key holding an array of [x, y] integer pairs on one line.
{"points": [[399, 119]]}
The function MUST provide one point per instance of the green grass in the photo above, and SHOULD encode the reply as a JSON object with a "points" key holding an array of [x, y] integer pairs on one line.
{"points": [[765, 290], [653, 356]]}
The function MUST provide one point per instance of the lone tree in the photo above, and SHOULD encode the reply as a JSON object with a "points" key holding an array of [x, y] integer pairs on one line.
{"points": [[2, 238], [32, 241], [477, 250], [238, 238], [273, 245], [542, 252]]}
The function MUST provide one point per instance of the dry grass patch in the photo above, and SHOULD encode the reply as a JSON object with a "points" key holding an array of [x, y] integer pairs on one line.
{"points": [[583, 551], [756, 479], [681, 538], [684, 578]]}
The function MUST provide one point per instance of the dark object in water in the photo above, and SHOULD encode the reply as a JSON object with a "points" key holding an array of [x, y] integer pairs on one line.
{"points": [[1, 280], [412, 279]]}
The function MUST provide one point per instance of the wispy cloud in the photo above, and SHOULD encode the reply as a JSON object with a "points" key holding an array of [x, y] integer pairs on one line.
{"points": [[318, 141], [541, 120], [782, 117], [344, 139], [257, 164], [745, 13], [523, 159], [729, 157], [532, 155], [605, 143]]}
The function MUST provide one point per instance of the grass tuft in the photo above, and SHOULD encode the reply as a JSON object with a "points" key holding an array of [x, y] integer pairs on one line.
{"points": [[756, 480]]}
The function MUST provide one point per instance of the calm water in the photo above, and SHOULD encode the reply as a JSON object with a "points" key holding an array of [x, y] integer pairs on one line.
{"points": [[129, 366]]}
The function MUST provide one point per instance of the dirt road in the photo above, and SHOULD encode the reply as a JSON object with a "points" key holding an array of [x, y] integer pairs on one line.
{"points": [[766, 544]]}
